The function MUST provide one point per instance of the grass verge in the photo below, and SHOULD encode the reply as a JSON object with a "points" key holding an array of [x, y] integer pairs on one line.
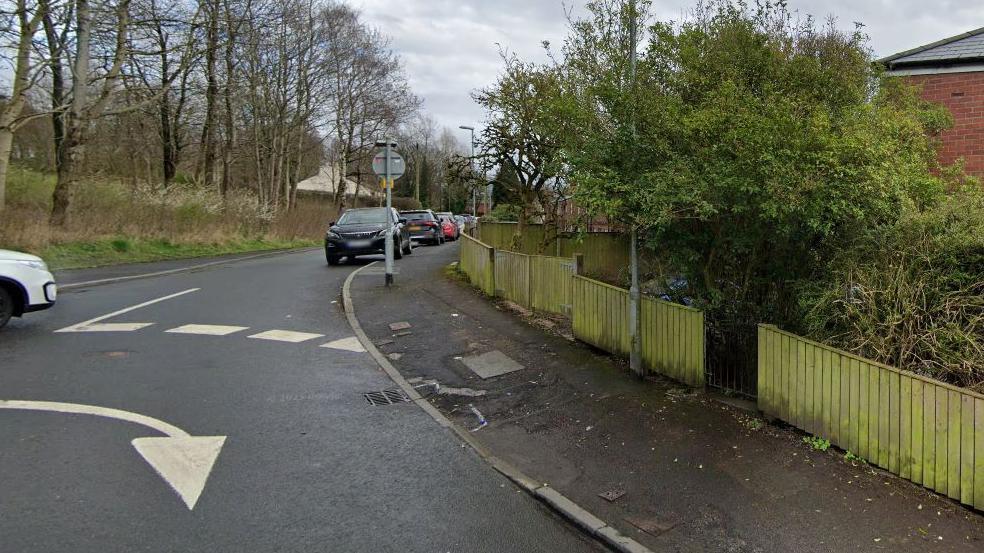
{"points": [[96, 253]]}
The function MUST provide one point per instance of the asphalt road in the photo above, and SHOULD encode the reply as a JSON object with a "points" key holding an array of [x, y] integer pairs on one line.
{"points": [[306, 465]]}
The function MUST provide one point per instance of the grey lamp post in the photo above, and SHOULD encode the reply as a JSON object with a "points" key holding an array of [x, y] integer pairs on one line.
{"points": [[472, 143]]}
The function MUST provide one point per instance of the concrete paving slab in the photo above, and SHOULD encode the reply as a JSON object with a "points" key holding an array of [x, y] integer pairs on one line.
{"points": [[491, 364]]}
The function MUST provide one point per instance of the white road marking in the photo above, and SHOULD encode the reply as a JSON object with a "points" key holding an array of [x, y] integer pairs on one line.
{"points": [[109, 327], [182, 460], [286, 336], [184, 463], [208, 330], [346, 344], [84, 325]]}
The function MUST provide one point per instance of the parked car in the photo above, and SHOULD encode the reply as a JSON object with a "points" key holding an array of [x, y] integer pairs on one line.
{"points": [[424, 226], [25, 285], [363, 232], [448, 224], [460, 221]]}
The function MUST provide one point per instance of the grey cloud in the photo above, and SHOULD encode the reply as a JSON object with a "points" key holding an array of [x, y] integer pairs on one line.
{"points": [[450, 47]]}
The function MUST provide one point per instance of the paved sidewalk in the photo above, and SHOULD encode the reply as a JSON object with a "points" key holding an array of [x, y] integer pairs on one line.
{"points": [[698, 475]]}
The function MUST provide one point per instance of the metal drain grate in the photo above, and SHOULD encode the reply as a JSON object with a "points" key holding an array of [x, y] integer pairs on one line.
{"points": [[386, 397]]}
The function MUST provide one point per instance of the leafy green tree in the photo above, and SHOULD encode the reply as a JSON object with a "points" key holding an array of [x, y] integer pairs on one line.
{"points": [[751, 146], [520, 135]]}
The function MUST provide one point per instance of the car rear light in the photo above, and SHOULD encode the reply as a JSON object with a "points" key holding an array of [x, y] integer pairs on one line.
{"points": [[431, 224]]}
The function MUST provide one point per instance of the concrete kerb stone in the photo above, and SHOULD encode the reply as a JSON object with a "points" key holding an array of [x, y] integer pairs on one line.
{"points": [[113, 280], [560, 503]]}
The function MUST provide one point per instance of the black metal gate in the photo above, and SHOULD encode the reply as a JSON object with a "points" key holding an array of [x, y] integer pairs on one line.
{"points": [[732, 357]]}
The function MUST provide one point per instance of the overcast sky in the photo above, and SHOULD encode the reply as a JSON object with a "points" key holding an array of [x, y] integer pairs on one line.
{"points": [[451, 47]]}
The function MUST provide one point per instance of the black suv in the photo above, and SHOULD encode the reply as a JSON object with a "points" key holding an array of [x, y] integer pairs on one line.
{"points": [[363, 232], [424, 226]]}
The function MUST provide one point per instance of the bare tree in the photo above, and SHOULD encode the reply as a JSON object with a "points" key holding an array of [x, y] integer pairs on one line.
{"points": [[27, 19]]}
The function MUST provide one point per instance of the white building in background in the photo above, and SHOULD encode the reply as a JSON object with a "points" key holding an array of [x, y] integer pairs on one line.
{"points": [[328, 180]]}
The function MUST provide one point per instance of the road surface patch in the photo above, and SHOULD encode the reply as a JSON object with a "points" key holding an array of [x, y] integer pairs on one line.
{"points": [[491, 364], [286, 336], [207, 330], [346, 344]]}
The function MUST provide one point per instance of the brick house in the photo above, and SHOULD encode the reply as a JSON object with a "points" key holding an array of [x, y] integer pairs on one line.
{"points": [[951, 72]]}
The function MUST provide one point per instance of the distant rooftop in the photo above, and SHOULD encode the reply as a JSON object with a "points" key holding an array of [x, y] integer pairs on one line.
{"points": [[964, 48]]}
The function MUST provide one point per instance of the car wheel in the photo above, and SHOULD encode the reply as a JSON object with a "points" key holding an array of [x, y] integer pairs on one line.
{"points": [[409, 249], [6, 306], [397, 250]]}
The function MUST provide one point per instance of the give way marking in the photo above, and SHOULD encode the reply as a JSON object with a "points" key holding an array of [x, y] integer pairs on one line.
{"points": [[182, 460], [95, 325]]}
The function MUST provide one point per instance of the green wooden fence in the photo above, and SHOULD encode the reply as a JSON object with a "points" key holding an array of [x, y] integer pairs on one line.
{"points": [[551, 283], [673, 340], [605, 253], [601, 315], [921, 429], [512, 277], [478, 262]]}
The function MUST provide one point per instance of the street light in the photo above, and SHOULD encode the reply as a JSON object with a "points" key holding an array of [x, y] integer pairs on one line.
{"points": [[472, 130]]}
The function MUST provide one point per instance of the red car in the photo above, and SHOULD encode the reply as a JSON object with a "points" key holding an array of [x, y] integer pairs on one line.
{"points": [[450, 228]]}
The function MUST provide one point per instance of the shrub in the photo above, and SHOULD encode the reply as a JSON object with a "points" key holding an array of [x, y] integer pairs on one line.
{"points": [[911, 293]]}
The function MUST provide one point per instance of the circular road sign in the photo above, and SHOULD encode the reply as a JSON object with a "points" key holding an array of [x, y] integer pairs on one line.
{"points": [[397, 165]]}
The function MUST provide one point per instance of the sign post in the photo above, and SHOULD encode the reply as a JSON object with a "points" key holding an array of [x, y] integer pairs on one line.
{"points": [[390, 166]]}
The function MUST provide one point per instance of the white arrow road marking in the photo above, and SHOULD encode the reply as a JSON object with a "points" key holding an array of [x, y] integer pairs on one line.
{"points": [[208, 330], [91, 326], [346, 344], [286, 336], [182, 460]]}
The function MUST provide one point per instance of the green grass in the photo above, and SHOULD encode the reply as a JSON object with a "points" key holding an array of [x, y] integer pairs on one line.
{"points": [[76, 255]]}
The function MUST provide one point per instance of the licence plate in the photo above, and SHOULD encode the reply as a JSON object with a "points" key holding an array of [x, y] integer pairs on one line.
{"points": [[360, 243], [416, 228]]}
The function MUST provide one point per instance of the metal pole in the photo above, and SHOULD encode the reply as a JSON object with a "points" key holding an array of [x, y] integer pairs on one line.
{"points": [[474, 191], [635, 352], [389, 218]]}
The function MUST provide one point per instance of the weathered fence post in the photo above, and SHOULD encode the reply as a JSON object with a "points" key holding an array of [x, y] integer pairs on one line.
{"points": [[579, 264], [491, 271]]}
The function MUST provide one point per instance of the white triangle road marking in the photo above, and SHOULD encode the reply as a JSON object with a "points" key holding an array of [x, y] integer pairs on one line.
{"points": [[346, 344], [106, 327], [184, 462], [286, 336], [208, 330]]}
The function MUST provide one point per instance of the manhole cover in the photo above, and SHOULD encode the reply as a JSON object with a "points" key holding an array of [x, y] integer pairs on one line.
{"points": [[612, 495], [386, 397], [491, 364]]}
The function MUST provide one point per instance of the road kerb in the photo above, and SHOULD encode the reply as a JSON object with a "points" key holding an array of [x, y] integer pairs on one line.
{"points": [[567, 508], [113, 280]]}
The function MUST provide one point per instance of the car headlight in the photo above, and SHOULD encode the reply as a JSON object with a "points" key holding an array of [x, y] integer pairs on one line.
{"points": [[381, 233], [333, 234], [40, 265]]}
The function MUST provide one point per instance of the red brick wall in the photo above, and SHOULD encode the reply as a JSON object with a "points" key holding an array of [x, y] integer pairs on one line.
{"points": [[963, 94]]}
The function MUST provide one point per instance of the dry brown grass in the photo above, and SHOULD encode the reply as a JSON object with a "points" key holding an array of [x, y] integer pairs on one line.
{"points": [[104, 211]]}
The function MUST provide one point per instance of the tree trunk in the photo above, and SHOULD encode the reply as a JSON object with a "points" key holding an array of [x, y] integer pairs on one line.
{"points": [[67, 176], [207, 164], [169, 153], [6, 144]]}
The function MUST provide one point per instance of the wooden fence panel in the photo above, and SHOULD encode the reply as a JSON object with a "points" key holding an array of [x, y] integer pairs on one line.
{"points": [[512, 277], [600, 315], [924, 430], [551, 284], [476, 260], [672, 340], [605, 253]]}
